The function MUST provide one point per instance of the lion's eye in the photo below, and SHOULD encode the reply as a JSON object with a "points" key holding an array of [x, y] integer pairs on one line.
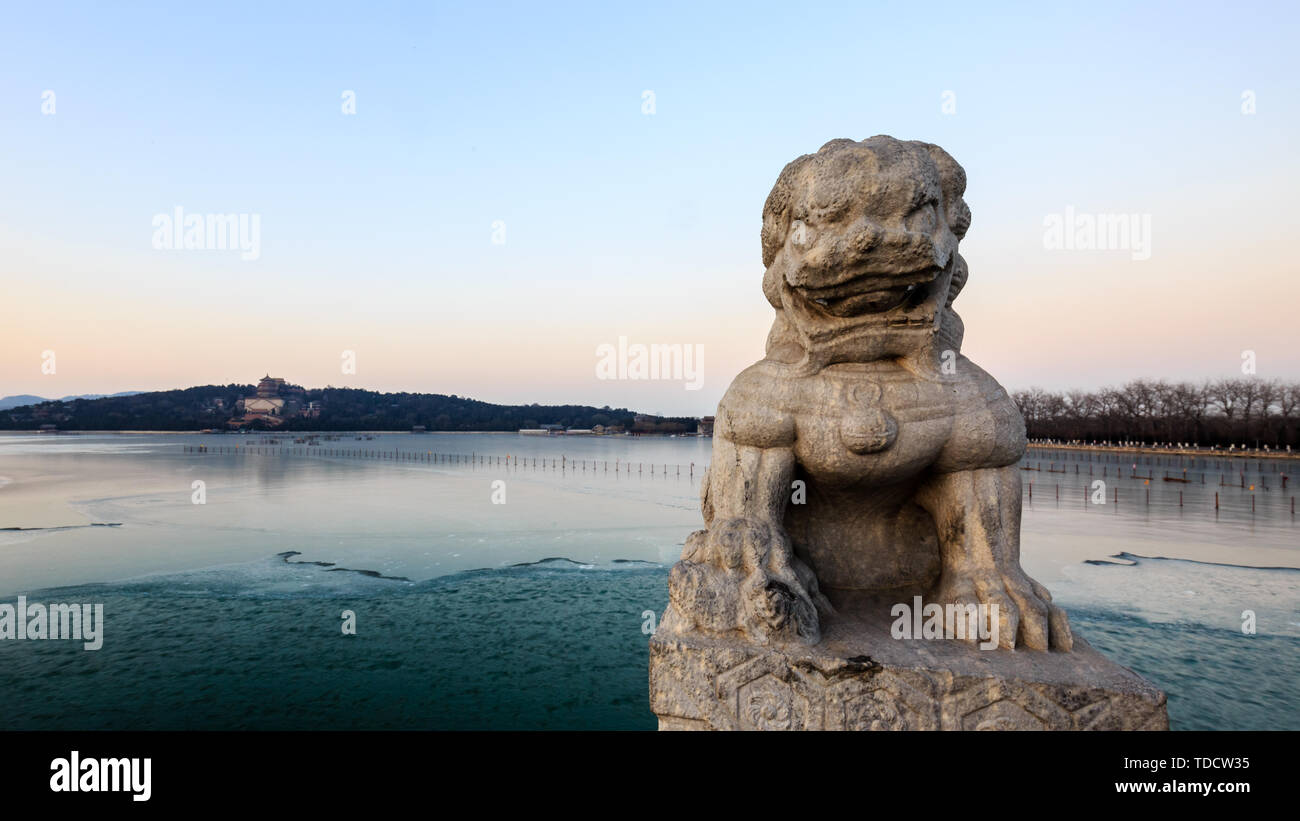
{"points": [[923, 220], [801, 236]]}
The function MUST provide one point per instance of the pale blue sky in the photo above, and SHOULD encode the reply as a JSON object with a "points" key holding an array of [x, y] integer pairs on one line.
{"points": [[376, 227]]}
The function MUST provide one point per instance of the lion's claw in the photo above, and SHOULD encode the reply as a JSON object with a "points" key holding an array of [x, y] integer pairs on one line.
{"points": [[1023, 608]]}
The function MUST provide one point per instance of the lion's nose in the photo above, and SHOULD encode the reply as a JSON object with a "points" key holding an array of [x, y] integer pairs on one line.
{"points": [[826, 256], [911, 250], [866, 236], [828, 259]]}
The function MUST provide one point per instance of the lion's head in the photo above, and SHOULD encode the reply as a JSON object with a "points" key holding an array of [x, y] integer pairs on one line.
{"points": [[860, 244]]}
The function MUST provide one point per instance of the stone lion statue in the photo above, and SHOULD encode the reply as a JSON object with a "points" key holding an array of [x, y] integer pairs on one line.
{"points": [[864, 459]]}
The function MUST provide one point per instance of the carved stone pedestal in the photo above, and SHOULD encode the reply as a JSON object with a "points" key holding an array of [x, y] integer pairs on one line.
{"points": [[859, 678]]}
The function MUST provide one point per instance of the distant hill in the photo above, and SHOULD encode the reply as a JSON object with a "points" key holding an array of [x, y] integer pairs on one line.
{"points": [[212, 406], [7, 402]]}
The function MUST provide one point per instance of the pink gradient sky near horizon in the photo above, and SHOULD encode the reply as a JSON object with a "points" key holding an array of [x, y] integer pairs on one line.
{"points": [[377, 228]]}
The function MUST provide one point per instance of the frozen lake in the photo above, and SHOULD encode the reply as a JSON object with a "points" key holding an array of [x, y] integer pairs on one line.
{"points": [[1160, 586]]}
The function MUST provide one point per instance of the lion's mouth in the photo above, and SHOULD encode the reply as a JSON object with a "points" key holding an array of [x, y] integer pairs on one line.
{"points": [[871, 293]]}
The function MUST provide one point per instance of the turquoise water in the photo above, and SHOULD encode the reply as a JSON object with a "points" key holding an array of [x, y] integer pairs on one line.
{"points": [[1215, 679], [527, 615], [529, 648], [546, 646]]}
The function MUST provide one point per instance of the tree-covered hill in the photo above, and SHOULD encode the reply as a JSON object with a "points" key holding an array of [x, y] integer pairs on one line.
{"points": [[212, 406]]}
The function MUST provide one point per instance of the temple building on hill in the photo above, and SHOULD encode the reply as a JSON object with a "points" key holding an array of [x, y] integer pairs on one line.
{"points": [[275, 401], [269, 387]]}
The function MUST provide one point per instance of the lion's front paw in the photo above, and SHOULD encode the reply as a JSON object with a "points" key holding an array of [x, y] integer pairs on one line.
{"points": [[741, 575], [774, 609], [1012, 606]]}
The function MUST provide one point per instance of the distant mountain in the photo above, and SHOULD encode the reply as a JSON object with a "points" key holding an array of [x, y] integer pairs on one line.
{"points": [[8, 402], [21, 399], [341, 409]]}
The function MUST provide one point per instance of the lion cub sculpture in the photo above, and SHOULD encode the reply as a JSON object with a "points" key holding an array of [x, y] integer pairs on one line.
{"points": [[864, 458]]}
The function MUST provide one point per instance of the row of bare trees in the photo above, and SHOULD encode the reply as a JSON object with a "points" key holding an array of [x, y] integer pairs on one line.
{"points": [[1248, 412]]}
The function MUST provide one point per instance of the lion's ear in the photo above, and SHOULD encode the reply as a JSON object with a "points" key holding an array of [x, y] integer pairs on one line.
{"points": [[951, 175], [958, 213], [776, 210], [952, 179], [773, 235]]}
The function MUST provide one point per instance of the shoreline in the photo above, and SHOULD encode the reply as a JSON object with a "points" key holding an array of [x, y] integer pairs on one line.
{"points": [[1159, 451], [1139, 449], [251, 433], [284, 433]]}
